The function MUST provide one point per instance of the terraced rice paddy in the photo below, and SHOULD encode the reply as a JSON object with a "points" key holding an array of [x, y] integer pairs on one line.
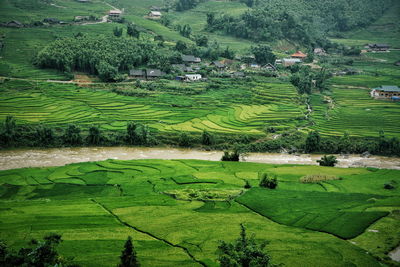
{"points": [[225, 110], [178, 210], [355, 112]]}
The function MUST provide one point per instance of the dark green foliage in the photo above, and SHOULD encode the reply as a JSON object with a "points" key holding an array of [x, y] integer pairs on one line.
{"points": [[263, 54], [117, 31], [320, 80], [329, 161], [181, 5], [128, 255], [101, 55], [38, 254], [138, 134], [72, 135], [303, 80], [247, 185], [180, 46], [231, 156], [390, 185], [94, 137], [312, 142], [201, 40], [268, 182], [132, 31], [184, 140], [184, 30], [44, 136], [243, 252], [207, 139], [9, 131]]}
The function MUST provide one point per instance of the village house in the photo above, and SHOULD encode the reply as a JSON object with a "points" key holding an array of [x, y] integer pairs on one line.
{"points": [[147, 74], [378, 47], [300, 55], [81, 18], [154, 14], [269, 67], [154, 73], [187, 59], [386, 92], [193, 77], [182, 68], [319, 51], [137, 73], [14, 24], [287, 62], [114, 13], [238, 74], [218, 65]]}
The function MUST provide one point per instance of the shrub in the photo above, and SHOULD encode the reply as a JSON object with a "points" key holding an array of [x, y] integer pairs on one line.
{"points": [[329, 161], [268, 182], [230, 156], [315, 178]]}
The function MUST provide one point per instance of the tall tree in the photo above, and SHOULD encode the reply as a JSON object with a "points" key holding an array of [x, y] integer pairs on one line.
{"points": [[132, 31], [128, 255], [263, 54], [312, 142], [94, 137], [72, 135]]}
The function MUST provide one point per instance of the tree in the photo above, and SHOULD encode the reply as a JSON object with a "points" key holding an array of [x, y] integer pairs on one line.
{"points": [[268, 182], [9, 134], [263, 54], [44, 136], [107, 72], [207, 139], [180, 46], [184, 140], [231, 156], [201, 40], [329, 161], [117, 31], [243, 252], [132, 31], [94, 137], [72, 135], [313, 141], [128, 255], [320, 80]]}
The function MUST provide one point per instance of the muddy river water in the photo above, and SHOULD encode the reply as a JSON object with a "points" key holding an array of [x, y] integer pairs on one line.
{"points": [[21, 158]]}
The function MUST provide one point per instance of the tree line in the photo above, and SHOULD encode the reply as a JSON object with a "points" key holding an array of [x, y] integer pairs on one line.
{"points": [[138, 134]]}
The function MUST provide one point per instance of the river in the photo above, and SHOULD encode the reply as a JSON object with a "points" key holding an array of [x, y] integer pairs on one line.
{"points": [[22, 158]]}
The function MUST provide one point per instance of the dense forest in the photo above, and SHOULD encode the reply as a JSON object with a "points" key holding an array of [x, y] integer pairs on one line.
{"points": [[101, 55], [297, 20]]}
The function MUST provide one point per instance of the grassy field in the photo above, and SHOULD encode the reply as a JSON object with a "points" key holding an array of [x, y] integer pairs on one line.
{"points": [[170, 206], [242, 107]]}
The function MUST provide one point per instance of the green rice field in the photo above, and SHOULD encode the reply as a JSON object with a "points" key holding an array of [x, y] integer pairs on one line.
{"points": [[238, 108], [177, 211]]}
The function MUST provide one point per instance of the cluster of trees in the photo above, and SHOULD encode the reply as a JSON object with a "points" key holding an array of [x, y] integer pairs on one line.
{"points": [[268, 181], [260, 25], [204, 49], [37, 254], [182, 5], [304, 79], [102, 55], [302, 21]]}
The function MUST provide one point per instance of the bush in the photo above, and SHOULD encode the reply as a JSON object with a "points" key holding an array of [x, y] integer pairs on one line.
{"points": [[230, 156], [329, 161], [268, 182]]}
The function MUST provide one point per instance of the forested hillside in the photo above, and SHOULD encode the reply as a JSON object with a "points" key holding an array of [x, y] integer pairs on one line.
{"points": [[297, 20]]}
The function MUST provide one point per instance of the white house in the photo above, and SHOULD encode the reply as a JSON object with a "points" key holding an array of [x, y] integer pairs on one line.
{"points": [[154, 14], [193, 77]]}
